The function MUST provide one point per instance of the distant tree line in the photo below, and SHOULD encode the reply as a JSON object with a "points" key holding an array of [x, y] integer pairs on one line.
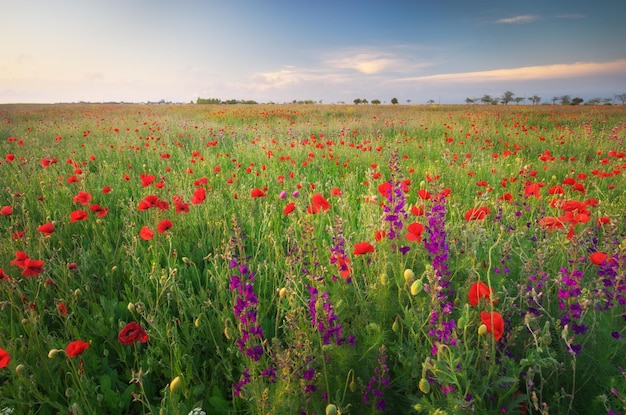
{"points": [[204, 101], [509, 96]]}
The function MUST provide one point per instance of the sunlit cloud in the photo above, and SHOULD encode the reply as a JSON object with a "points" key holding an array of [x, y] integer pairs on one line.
{"points": [[399, 59], [557, 71], [526, 18]]}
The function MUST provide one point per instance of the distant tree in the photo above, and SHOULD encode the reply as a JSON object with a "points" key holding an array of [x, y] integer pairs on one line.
{"points": [[607, 101], [394, 101], [507, 97], [430, 101], [486, 99], [357, 101], [594, 101], [205, 101], [375, 101], [364, 101], [518, 99], [470, 100], [554, 100], [577, 101], [621, 97], [535, 99], [565, 100], [408, 101]]}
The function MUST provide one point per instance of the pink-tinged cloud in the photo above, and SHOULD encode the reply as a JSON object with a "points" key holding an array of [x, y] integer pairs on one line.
{"points": [[557, 71]]}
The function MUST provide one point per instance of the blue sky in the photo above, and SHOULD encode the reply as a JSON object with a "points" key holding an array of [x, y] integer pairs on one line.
{"points": [[329, 51]]}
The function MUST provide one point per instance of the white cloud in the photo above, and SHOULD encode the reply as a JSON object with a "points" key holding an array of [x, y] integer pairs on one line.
{"points": [[526, 18], [557, 71], [399, 59]]}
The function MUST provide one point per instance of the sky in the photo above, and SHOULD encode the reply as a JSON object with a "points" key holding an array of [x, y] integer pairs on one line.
{"points": [[327, 51]]}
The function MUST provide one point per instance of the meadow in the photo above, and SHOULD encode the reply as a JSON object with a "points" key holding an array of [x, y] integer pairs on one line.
{"points": [[312, 259]]}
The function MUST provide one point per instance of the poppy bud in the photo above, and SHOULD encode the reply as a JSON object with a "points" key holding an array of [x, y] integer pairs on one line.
{"points": [[396, 324], [227, 332], [131, 307], [416, 287], [409, 276], [52, 353], [175, 384], [424, 385], [352, 385], [482, 329], [114, 268], [77, 292], [20, 370], [383, 279], [196, 322], [282, 292], [331, 409]]}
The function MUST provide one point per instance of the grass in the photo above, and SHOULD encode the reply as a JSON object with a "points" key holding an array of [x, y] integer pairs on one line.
{"points": [[248, 309]]}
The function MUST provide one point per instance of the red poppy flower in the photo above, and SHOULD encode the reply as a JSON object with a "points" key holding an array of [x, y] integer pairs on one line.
{"points": [[3, 276], [131, 333], [78, 215], [343, 264], [291, 206], [9, 157], [76, 348], [83, 198], [164, 225], [106, 189], [146, 233], [46, 228], [477, 291], [256, 192], [603, 220], [507, 197], [146, 179], [4, 358], [477, 213], [335, 192], [423, 194], [551, 223], [417, 210], [6, 211], [384, 189], [32, 267], [363, 248], [99, 210], [62, 309], [597, 258], [198, 196], [380, 235], [319, 202], [20, 259], [494, 323], [415, 232]]}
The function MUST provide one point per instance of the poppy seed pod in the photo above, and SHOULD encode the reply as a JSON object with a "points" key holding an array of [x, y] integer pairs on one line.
{"points": [[409, 276], [175, 384]]}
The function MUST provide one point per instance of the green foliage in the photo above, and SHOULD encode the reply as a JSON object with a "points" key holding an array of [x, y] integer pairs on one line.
{"points": [[352, 330]]}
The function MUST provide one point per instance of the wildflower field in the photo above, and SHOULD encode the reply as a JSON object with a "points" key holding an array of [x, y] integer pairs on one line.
{"points": [[292, 259]]}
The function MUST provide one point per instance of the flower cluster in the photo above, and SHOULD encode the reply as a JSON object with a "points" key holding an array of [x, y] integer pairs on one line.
{"points": [[324, 319], [441, 328], [395, 211], [338, 255], [379, 381], [245, 309], [569, 291]]}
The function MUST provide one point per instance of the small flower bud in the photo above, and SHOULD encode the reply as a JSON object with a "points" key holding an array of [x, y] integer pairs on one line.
{"points": [[409, 276], [20, 370], [331, 409], [52, 353], [482, 330], [383, 279], [131, 307], [175, 384], [282, 292], [416, 287], [424, 385]]}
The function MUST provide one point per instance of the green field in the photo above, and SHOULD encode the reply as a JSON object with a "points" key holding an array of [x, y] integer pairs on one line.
{"points": [[312, 259]]}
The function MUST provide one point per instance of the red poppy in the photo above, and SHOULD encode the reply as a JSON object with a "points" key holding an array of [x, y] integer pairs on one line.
{"points": [[417, 210], [20, 259], [3, 276], [256, 192], [106, 189], [146, 179], [99, 210], [62, 309], [477, 213], [551, 223], [9, 157], [76, 348], [335, 192], [198, 196], [597, 258], [46, 228], [423, 194], [415, 232], [32, 267], [603, 220], [6, 211], [4, 358], [78, 215], [146, 233], [83, 198], [556, 190], [494, 323], [507, 197], [319, 202], [384, 189], [363, 248], [291, 206], [477, 291], [164, 225], [343, 264], [131, 333], [380, 235]]}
